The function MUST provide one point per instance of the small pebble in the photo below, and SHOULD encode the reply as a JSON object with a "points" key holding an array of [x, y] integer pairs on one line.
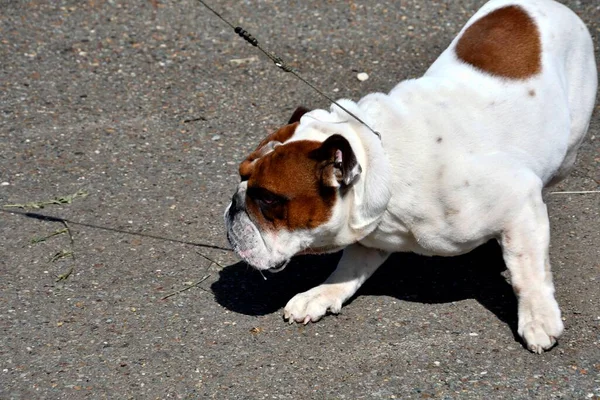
{"points": [[4, 184], [216, 137], [363, 76]]}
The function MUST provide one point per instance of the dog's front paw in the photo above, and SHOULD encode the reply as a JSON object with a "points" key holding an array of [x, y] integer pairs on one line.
{"points": [[313, 304], [537, 337], [541, 331]]}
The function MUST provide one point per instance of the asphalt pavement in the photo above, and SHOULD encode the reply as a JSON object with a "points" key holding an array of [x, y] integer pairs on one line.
{"points": [[121, 127]]}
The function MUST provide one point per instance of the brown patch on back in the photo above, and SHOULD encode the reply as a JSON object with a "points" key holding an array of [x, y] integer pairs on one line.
{"points": [[506, 43], [291, 172], [281, 135]]}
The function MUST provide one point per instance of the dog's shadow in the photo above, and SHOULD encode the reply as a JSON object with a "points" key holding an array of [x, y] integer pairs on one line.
{"points": [[408, 277]]}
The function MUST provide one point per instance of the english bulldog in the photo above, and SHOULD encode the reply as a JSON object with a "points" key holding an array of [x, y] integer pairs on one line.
{"points": [[461, 157]]}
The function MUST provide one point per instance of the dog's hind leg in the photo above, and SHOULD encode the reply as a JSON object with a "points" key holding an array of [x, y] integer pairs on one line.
{"points": [[525, 242], [356, 265]]}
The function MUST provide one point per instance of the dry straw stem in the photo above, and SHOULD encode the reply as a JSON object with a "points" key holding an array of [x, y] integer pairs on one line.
{"points": [[62, 254], [205, 277], [55, 201], [44, 238], [210, 259], [578, 192], [65, 275]]}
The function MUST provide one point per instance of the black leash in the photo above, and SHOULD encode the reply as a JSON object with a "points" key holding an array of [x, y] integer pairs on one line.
{"points": [[281, 64]]}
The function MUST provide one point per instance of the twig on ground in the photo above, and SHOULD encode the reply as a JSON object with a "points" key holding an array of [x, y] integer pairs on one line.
{"points": [[64, 276], [209, 259], [194, 120], [56, 201], [67, 229], [62, 254], [205, 277], [44, 238], [578, 192], [70, 234]]}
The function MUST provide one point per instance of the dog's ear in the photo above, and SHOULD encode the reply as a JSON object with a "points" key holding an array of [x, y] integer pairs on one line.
{"points": [[300, 111], [340, 163]]}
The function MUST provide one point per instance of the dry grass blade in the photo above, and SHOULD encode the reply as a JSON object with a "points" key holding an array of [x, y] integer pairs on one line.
{"points": [[210, 259], [578, 192], [56, 201], [69, 232], [69, 199], [205, 277], [44, 238], [65, 275], [62, 254]]}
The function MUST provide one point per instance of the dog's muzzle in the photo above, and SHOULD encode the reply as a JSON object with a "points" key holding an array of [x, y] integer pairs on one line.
{"points": [[245, 237]]}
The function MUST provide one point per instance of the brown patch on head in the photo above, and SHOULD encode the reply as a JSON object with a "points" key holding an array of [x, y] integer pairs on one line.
{"points": [[506, 42], [531, 93], [281, 135], [288, 189]]}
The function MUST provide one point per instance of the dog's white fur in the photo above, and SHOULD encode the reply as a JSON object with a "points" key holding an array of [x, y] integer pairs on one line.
{"points": [[463, 159]]}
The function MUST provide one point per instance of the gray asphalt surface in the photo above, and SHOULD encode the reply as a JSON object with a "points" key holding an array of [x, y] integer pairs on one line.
{"points": [[95, 95]]}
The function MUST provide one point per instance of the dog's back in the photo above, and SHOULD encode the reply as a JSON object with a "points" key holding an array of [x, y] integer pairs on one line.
{"points": [[540, 51], [508, 102]]}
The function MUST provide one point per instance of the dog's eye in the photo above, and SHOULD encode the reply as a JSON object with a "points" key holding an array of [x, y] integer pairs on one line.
{"points": [[265, 197], [271, 205], [268, 200]]}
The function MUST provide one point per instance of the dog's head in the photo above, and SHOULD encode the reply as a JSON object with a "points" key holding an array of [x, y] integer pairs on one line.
{"points": [[292, 196]]}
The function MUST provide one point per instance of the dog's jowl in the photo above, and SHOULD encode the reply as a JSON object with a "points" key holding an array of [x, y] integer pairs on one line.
{"points": [[464, 154]]}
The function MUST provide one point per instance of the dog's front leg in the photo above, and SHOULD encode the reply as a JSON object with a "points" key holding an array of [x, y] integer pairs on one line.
{"points": [[356, 265], [525, 245]]}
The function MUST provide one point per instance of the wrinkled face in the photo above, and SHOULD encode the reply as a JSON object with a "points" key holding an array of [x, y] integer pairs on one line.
{"points": [[286, 201]]}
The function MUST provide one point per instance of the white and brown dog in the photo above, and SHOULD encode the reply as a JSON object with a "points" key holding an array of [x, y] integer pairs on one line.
{"points": [[464, 154]]}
